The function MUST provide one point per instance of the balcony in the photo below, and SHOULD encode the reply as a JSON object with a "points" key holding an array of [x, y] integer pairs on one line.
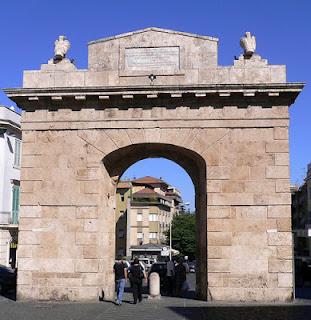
{"points": [[139, 201], [9, 220]]}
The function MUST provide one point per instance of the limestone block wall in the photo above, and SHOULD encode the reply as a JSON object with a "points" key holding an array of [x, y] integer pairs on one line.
{"points": [[249, 217], [66, 236], [66, 240]]}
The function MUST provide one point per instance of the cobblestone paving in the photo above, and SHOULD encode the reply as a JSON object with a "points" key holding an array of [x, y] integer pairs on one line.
{"points": [[165, 308]]}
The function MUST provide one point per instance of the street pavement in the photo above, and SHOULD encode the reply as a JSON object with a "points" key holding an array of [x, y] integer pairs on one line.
{"points": [[170, 308]]}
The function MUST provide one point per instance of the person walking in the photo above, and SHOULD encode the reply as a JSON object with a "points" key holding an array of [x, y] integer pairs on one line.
{"points": [[120, 273], [170, 276], [180, 277], [136, 276]]}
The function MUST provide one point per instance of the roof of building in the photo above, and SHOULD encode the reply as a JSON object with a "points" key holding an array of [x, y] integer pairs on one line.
{"points": [[148, 192], [149, 180], [124, 185], [149, 183]]}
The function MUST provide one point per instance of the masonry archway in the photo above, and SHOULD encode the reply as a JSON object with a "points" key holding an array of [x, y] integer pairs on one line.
{"points": [[119, 160], [83, 128]]}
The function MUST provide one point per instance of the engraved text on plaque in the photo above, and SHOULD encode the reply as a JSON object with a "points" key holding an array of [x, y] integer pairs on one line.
{"points": [[161, 58]]}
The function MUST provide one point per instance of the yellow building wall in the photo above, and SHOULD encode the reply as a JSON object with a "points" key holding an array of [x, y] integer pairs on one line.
{"points": [[122, 200], [145, 226]]}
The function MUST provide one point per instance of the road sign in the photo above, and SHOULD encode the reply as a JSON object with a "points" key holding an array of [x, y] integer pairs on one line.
{"points": [[165, 252]]}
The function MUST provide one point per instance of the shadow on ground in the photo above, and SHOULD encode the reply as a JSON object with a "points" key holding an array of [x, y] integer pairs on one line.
{"points": [[244, 313], [11, 295]]}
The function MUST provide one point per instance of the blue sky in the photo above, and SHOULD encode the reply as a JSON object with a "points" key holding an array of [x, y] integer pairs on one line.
{"points": [[282, 28]]}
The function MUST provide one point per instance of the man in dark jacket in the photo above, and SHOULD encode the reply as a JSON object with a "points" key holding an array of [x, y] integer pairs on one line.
{"points": [[136, 275], [180, 276]]}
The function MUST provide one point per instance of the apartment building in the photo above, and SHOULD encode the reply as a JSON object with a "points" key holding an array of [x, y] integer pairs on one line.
{"points": [[147, 206], [122, 216], [10, 162], [301, 216]]}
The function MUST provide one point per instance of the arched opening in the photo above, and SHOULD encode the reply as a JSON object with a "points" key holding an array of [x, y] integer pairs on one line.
{"points": [[117, 162]]}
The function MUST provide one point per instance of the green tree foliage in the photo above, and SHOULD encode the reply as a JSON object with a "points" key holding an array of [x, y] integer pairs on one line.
{"points": [[184, 234]]}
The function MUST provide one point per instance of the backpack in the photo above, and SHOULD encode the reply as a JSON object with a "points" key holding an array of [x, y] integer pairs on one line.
{"points": [[136, 272]]}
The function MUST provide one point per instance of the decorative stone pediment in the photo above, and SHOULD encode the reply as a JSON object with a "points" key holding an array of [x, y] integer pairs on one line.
{"points": [[153, 57], [154, 30], [153, 50]]}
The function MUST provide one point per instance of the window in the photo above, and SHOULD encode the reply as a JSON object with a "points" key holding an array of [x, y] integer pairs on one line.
{"points": [[153, 235], [122, 197], [17, 153], [139, 235], [153, 217], [15, 204], [139, 216]]}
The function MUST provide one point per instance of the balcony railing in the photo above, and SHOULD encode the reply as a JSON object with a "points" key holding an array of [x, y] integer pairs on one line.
{"points": [[7, 218]]}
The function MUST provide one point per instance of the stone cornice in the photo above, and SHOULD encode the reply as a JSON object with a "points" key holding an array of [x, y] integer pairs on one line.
{"points": [[287, 91]]}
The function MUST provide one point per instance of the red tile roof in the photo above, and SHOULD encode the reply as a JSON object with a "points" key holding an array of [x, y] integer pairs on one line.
{"points": [[124, 185], [146, 191], [149, 180]]}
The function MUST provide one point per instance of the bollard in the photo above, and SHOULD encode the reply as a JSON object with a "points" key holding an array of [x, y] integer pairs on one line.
{"points": [[154, 286]]}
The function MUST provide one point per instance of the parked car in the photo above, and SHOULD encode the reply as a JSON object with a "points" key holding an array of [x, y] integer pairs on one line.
{"points": [[7, 279], [161, 269]]}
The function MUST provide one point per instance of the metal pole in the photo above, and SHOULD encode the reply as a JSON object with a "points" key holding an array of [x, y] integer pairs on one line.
{"points": [[171, 238], [293, 265]]}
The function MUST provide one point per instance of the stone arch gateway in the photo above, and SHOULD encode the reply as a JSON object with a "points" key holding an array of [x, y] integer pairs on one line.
{"points": [[147, 93], [118, 161]]}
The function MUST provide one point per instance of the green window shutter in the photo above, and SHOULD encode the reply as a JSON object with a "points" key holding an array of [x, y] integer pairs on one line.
{"points": [[15, 205], [17, 153]]}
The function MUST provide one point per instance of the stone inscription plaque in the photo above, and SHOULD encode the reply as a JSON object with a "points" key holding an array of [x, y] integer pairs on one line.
{"points": [[161, 58]]}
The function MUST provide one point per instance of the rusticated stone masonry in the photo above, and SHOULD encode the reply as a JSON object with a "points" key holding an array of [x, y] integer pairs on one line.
{"points": [[226, 126]]}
